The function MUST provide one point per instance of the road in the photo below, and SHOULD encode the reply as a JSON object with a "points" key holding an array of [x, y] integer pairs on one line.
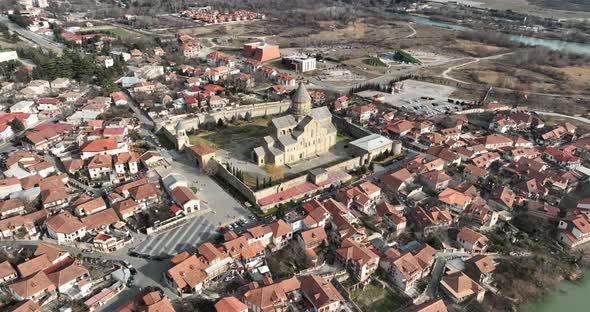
{"points": [[138, 112], [185, 237], [446, 73], [577, 118], [414, 32], [36, 38]]}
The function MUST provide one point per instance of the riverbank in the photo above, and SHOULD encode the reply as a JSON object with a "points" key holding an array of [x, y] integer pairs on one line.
{"points": [[552, 44], [571, 297]]}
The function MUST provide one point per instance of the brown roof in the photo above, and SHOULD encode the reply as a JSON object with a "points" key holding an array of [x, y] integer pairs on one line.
{"points": [[460, 285], [154, 302], [100, 161], [313, 236], [32, 285], [64, 222], [321, 293], [267, 297], [89, 206], [483, 263], [6, 269], [68, 274], [52, 252], [280, 228], [100, 219], [183, 194], [25, 306], [143, 191], [30, 181], [260, 230], [210, 252], [33, 266], [435, 305], [353, 251], [189, 273], [11, 204], [201, 149], [99, 145], [230, 304], [127, 186], [471, 236], [126, 206]]}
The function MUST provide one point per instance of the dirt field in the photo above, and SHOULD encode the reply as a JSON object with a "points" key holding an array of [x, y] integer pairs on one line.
{"points": [[523, 6], [542, 79]]}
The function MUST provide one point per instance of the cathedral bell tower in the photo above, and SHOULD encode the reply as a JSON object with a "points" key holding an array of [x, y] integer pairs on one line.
{"points": [[301, 102]]}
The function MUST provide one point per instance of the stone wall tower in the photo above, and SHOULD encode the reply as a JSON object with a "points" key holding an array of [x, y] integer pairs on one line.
{"points": [[301, 102]]}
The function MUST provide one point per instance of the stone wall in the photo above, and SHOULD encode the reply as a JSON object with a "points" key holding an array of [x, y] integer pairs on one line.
{"points": [[346, 165], [280, 186], [232, 180], [351, 129]]}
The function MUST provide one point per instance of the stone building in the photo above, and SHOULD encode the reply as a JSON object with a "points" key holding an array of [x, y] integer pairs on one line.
{"points": [[305, 133]]}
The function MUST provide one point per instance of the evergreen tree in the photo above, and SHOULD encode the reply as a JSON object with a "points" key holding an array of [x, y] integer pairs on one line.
{"points": [[16, 125]]}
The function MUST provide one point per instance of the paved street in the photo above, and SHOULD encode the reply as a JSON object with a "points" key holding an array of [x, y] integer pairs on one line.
{"points": [[36, 38], [223, 207], [184, 237]]}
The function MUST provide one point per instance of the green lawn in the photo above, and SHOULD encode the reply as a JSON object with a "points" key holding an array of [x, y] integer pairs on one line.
{"points": [[119, 32], [232, 134], [374, 61], [373, 298]]}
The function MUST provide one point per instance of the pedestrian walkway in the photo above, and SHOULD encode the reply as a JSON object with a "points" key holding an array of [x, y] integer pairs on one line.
{"points": [[184, 237]]}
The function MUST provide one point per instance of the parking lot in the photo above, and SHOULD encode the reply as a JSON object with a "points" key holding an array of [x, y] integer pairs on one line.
{"points": [[184, 237], [418, 97]]}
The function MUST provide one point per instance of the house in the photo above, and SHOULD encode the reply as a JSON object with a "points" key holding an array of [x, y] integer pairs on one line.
{"points": [[86, 205], [201, 154], [459, 287], [321, 293], [126, 208], [35, 288], [471, 240], [119, 98], [406, 269], [9, 186], [100, 221], [360, 261], [64, 227], [435, 180], [11, 207], [230, 304], [574, 230], [542, 210], [394, 219], [502, 198], [186, 199], [7, 272], [474, 174], [313, 238], [362, 113], [429, 306], [272, 297], [145, 194], [454, 200], [282, 233], [102, 147], [480, 267], [69, 278]]}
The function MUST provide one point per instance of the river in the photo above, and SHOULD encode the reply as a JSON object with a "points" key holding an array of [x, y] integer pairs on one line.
{"points": [[571, 297], [581, 48]]}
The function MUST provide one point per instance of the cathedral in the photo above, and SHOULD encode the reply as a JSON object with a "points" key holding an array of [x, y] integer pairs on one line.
{"points": [[303, 134]]}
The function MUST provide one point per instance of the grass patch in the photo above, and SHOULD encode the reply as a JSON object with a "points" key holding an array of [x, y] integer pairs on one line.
{"points": [[165, 141], [552, 121], [374, 61], [231, 134], [377, 299], [119, 32], [341, 136]]}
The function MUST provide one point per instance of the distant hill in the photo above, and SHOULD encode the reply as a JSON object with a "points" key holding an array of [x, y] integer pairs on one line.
{"points": [[570, 5]]}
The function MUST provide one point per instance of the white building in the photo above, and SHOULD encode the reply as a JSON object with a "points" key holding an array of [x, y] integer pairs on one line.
{"points": [[22, 107], [301, 63], [7, 55]]}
